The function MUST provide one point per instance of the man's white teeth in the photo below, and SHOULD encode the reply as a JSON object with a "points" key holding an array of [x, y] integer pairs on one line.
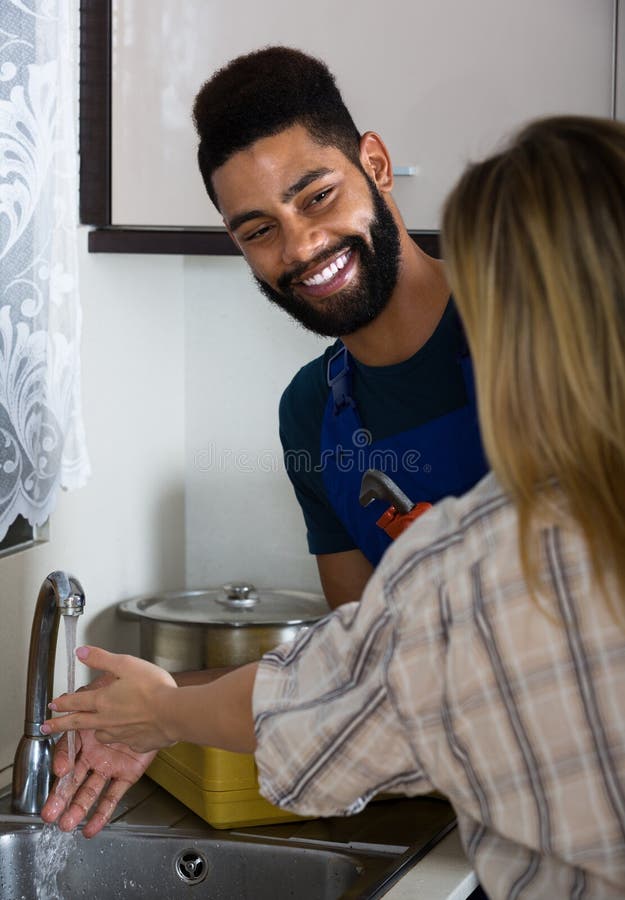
{"points": [[328, 273]]}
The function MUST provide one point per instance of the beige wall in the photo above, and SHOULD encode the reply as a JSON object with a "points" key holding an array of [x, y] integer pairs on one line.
{"points": [[123, 533], [243, 520]]}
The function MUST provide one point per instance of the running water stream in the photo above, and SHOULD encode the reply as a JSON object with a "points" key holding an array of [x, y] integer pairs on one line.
{"points": [[70, 649], [55, 846]]}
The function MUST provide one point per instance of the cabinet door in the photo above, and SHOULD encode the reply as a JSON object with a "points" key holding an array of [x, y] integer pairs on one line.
{"points": [[441, 81]]}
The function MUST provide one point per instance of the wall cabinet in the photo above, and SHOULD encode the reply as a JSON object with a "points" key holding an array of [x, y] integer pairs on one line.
{"points": [[442, 81]]}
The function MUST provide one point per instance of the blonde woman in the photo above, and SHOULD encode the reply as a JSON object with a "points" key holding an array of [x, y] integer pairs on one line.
{"points": [[487, 657]]}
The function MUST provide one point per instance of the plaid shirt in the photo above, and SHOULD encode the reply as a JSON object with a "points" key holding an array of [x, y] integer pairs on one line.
{"points": [[448, 676]]}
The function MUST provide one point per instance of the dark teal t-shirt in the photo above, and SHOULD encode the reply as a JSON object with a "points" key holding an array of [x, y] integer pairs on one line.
{"points": [[389, 399]]}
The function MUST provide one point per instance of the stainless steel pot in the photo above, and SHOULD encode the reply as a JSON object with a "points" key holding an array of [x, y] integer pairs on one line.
{"points": [[230, 626]]}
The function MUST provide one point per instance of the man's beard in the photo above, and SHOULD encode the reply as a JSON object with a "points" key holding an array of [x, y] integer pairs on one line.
{"points": [[352, 307]]}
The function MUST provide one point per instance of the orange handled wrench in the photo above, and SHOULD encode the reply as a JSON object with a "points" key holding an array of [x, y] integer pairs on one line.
{"points": [[376, 485]]}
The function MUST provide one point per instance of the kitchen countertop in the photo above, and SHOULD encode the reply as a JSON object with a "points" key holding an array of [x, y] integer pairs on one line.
{"points": [[444, 874]]}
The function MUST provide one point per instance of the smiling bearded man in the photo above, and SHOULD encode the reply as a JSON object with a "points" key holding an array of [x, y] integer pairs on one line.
{"points": [[307, 198]]}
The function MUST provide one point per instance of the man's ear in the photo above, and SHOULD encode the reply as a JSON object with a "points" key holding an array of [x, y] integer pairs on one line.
{"points": [[376, 161]]}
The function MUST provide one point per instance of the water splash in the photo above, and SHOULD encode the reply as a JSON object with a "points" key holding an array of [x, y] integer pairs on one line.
{"points": [[70, 644], [54, 848]]}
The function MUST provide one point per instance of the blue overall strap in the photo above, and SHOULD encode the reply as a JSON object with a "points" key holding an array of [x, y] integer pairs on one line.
{"points": [[439, 457], [339, 378]]}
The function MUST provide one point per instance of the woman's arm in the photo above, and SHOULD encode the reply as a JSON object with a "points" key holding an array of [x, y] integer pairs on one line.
{"points": [[145, 709]]}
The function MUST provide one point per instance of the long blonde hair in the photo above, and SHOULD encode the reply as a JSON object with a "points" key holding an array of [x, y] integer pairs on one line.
{"points": [[534, 239]]}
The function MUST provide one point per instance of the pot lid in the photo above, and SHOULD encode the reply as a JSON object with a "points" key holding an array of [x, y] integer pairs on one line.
{"points": [[238, 604]]}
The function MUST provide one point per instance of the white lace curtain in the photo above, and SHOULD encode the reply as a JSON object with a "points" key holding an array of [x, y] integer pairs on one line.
{"points": [[42, 445]]}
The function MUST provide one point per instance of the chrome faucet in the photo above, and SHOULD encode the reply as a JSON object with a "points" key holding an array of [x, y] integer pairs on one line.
{"points": [[60, 595]]}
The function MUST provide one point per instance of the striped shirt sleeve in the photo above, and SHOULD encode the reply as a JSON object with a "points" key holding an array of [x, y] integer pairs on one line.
{"points": [[328, 731]]}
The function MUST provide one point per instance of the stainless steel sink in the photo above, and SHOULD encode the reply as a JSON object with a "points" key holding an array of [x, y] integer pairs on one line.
{"points": [[157, 849], [126, 864]]}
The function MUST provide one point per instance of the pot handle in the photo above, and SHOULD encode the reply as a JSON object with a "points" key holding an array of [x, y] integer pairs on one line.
{"points": [[238, 595]]}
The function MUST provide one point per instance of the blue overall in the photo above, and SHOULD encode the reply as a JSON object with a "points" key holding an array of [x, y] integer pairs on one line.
{"points": [[439, 458]]}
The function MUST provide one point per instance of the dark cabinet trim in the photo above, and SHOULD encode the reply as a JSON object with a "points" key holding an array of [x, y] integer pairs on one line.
{"points": [[95, 112], [194, 242]]}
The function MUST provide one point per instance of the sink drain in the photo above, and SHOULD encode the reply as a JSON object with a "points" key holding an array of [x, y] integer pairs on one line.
{"points": [[191, 867]]}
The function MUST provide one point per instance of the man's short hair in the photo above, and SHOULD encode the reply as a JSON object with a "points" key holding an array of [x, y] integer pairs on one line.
{"points": [[262, 93]]}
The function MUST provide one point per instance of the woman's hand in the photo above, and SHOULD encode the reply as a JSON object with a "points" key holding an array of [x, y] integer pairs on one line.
{"points": [[101, 776], [130, 707], [92, 787], [141, 706]]}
